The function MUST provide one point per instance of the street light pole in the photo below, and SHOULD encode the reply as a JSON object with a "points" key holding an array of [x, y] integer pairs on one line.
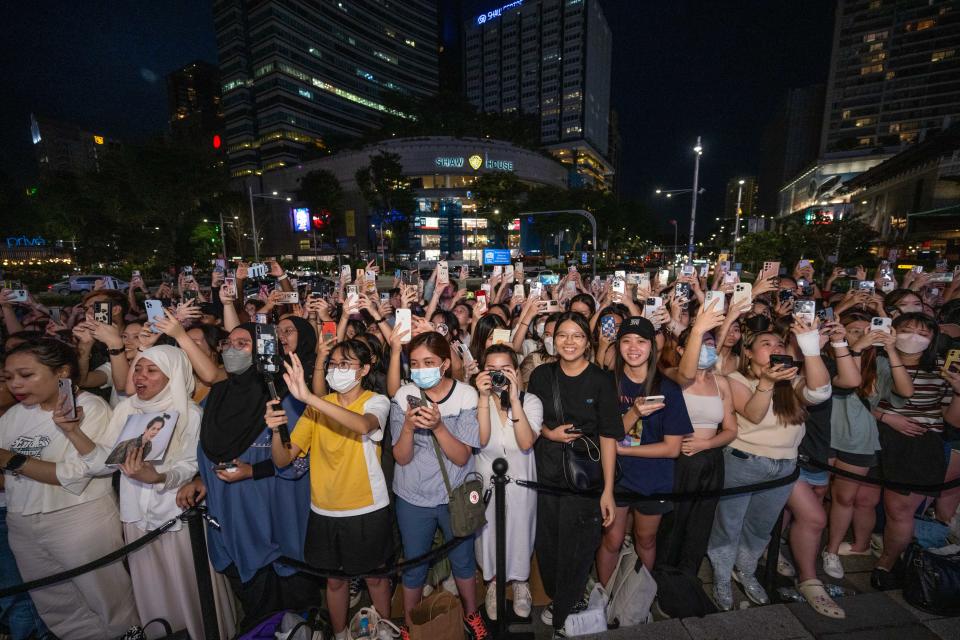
{"points": [[693, 207], [253, 224], [223, 236], [736, 224]]}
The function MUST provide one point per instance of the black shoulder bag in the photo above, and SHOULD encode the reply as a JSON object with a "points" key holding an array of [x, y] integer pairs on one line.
{"points": [[582, 465]]}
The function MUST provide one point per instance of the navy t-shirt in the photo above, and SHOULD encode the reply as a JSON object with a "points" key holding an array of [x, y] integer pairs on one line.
{"points": [[653, 475]]}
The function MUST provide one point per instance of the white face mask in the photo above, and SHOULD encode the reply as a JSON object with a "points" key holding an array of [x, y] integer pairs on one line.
{"points": [[911, 308], [342, 381], [912, 343], [548, 346]]}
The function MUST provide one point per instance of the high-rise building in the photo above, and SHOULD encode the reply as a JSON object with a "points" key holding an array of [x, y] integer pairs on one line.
{"points": [[749, 197], [193, 102], [549, 58], [298, 73], [62, 147], [893, 81], [791, 142]]}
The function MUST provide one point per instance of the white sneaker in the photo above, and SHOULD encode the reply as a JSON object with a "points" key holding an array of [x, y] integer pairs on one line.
{"points": [[546, 616], [785, 567], [490, 601], [832, 565], [522, 600], [450, 586]]}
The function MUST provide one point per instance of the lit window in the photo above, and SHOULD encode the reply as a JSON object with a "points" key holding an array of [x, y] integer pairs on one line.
{"points": [[846, 114], [895, 127], [873, 68], [864, 122], [385, 56], [864, 141], [410, 43], [941, 55], [876, 35], [925, 24], [891, 74]]}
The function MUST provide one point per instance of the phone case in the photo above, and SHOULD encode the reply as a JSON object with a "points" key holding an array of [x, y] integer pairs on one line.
{"points": [[402, 323]]}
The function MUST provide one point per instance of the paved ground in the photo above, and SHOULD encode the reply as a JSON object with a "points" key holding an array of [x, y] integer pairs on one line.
{"points": [[870, 616]]}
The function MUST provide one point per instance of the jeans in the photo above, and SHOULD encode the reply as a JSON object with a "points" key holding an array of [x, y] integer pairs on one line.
{"points": [[568, 534], [17, 611], [742, 525], [417, 526]]}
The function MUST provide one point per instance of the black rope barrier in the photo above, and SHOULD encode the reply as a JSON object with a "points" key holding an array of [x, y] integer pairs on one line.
{"points": [[879, 482]]}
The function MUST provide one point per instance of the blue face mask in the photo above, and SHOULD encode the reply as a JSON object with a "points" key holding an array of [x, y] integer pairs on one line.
{"points": [[426, 378], [708, 357]]}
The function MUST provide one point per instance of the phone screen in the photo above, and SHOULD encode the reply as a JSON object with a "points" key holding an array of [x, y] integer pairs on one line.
{"points": [[69, 400], [103, 312], [403, 323], [266, 348], [329, 331]]}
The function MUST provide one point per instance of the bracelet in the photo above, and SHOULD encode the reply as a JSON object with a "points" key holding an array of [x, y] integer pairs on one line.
{"points": [[514, 421], [759, 390], [894, 366], [283, 277], [856, 354], [843, 355], [837, 345]]}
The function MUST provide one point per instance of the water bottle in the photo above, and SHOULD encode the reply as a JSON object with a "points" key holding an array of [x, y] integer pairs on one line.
{"points": [[364, 627]]}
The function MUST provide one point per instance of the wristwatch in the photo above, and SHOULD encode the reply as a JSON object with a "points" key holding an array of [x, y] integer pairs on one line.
{"points": [[16, 461], [116, 352]]}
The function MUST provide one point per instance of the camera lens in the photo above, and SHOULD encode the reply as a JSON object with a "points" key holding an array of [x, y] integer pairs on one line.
{"points": [[497, 378]]}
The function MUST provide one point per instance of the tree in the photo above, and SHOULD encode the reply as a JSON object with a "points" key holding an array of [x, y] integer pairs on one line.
{"points": [[321, 191], [500, 196], [388, 194]]}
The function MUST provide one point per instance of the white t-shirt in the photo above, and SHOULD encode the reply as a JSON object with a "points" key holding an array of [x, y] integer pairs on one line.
{"points": [[107, 370], [31, 431]]}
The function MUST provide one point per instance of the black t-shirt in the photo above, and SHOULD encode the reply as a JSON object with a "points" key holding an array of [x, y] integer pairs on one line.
{"points": [[588, 401], [816, 439]]}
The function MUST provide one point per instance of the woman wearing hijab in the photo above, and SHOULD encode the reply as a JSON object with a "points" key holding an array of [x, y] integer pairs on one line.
{"points": [[163, 576], [298, 336], [261, 518]]}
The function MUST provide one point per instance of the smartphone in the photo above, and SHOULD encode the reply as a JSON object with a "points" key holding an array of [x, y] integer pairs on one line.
{"points": [[644, 280], [687, 269], [345, 273], [742, 292], [619, 288], [190, 294], [715, 298], [69, 399], [518, 269], [682, 291], [154, 313], [608, 327], [941, 276], [498, 270], [402, 322], [56, 314], [917, 269], [650, 307], [103, 312], [229, 467], [952, 363], [481, 307], [414, 402], [654, 400], [826, 315], [805, 310], [577, 431], [328, 331], [803, 264], [256, 271], [266, 348], [550, 279], [730, 277], [880, 324], [867, 285], [464, 352], [260, 318], [501, 336], [353, 299], [663, 276], [19, 295], [781, 358], [288, 297], [384, 298], [536, 289], [622, 275], [508, 272], [851, 272], [725, 266], [518, 292], [572, 268], [230, 286], [771, 269]]}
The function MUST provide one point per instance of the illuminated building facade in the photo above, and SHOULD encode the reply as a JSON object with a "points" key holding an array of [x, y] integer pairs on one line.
{"points": [[193, 102], [296, 73], [550, 58], [62, 147]]}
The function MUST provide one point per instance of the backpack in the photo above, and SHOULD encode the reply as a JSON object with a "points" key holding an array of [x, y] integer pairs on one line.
{"points": [[632, 590], [681, 595]]}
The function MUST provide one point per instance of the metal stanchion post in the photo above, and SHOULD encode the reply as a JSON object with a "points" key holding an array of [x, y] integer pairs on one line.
{"points": [[201, 565], [500, 467], [773, 558]]}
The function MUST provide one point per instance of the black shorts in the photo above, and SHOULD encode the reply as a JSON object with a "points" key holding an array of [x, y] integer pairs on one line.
{"points": [[866, 460], [647, 507], [354, 544]]}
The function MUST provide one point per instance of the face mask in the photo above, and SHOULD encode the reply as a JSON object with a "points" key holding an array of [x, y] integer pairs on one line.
{"points": [[708, 357], [548, 346], [911, 343], [236, 361], [911, 308], [342, 381], [426, 378], [540, 328]]}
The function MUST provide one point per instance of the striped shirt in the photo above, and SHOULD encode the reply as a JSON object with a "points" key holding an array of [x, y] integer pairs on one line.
{"points": [[931, 394]]}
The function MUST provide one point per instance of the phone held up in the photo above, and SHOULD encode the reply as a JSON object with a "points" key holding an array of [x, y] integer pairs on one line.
{"points": [[68, 399]]}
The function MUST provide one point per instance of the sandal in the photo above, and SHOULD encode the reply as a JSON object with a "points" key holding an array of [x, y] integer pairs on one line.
{"points": [[816, 596]]}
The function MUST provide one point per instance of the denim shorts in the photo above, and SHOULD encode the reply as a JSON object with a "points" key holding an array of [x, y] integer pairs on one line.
{"points": [[818, 478]]}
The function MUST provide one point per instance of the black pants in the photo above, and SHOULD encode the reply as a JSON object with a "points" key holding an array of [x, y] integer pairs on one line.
{"points": [[568, 534], [267, 592], [683, 535]]}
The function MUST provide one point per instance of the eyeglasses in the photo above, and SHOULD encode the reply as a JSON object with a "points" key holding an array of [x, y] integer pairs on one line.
{"points": [[241, 345], [572, 337], [345, 365]]}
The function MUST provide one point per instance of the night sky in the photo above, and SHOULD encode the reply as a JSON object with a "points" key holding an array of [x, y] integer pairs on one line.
{"points": [[681, 68]]}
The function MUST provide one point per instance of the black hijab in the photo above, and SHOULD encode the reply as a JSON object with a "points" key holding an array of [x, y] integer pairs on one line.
{"points": [[306, 346], [233, 414]]}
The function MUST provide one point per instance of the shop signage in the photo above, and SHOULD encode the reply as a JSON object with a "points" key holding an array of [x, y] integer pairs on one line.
{"points": [[496, 13], [476, 162]]}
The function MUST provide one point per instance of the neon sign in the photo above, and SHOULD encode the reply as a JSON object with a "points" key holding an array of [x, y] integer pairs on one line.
{"points": [[24, 241], [496, 13], [476, 162], [449, 162], [301, 219]]}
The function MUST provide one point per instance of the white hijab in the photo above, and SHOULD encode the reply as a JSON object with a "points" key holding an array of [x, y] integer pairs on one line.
{"points": [[175, 396]]}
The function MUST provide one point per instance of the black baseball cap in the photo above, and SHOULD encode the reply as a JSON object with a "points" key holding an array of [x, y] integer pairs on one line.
{"points": [[637, 325]]}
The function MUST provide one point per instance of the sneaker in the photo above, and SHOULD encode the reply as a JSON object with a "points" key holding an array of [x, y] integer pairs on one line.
{"points": [[490, 601], [785, 567], [876, 544], [475, 626], [751, 587], [883, 580], [450, 586], [386, 630], [356, 591], [522, 600], [723, 595], [546, 616], [831, 565], [846, 549]]}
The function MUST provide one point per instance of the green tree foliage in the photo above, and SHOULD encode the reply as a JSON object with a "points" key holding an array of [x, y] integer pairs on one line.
{"points": [[320, 190], [500, 196], [387, 192]]}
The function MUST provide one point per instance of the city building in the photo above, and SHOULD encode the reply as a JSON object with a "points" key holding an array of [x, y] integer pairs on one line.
{"points": [[894, 80], [549, 58], [913, 199], [791, 142], [298, 73], [746, 191], [193, 103], [62, 147], [441, 171]]}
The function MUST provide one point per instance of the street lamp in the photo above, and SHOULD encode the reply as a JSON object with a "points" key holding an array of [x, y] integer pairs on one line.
{"points": [[693, 207], [253, 218], [736, 224]]}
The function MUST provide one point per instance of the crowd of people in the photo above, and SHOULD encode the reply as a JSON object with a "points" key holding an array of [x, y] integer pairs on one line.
{"points": [[636, 384]]}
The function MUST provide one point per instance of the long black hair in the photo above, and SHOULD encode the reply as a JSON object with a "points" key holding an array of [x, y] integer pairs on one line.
{"points": [[928, 359]]}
